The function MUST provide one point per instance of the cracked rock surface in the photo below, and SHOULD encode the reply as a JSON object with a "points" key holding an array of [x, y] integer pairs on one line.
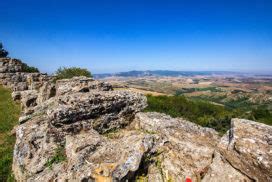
{"points": [[74, 122]]}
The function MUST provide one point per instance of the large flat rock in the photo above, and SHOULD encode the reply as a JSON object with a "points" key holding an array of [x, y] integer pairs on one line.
{"points": [[104, 110], [184, 149]]}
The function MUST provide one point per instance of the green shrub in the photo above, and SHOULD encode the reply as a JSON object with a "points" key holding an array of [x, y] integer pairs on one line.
{"points": [[29, 69], [3, 52], [65, 73]]}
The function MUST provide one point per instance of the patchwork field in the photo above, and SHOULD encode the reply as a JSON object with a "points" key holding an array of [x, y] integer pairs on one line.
{"points": [[250, 96]]}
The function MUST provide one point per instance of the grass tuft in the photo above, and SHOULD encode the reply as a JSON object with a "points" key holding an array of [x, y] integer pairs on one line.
{"points": [[59, 157]]}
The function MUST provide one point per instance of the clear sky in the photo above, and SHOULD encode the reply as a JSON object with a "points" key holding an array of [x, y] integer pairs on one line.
{"points": [[123, 35]]}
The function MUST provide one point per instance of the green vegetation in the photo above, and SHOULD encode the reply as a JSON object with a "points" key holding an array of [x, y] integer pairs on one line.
{"points": [[214, 98], [29, 69], [57, 158], [243, 108], [191, 90], [9, 114], [112, 133], [3, 52], [65, 73], [200, 112], [261, 114], [163, 87], [205, 113]]}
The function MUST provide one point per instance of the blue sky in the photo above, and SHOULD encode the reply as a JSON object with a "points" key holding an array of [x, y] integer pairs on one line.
{"points": [[122, 35]]}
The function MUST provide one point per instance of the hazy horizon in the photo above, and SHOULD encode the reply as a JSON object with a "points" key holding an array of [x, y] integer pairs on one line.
{"points": [[121, 35], [237, 71]]}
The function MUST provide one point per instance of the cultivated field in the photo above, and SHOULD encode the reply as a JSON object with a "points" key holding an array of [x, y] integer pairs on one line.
{"points": [[247, 94]]}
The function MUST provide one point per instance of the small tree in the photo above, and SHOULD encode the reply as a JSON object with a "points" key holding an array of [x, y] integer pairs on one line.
{"points": [[3, 52], [66, 73]]}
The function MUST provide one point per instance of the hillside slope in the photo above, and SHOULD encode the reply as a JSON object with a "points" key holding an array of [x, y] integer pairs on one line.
{"points": [[9, 114]]}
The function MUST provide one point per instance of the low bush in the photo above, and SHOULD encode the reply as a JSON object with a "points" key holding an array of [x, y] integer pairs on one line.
{"points": [[66, 73], [29, 69]]}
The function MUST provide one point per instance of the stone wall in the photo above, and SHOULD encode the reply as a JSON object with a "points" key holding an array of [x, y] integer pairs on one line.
{"points": [[12, 76], [31, 89]]}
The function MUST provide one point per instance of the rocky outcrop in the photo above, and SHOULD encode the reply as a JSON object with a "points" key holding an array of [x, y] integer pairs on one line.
{"points": [[81, 129], [81, 84], [152, 144], [104, 110], [183, 150], [248, 147], [30, 89], [72, 121], [221, 170], [187, 150], [8, 65], [13, 76]]}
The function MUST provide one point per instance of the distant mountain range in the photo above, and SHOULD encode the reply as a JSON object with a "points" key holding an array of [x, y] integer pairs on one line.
{"points": [[135, 73]]}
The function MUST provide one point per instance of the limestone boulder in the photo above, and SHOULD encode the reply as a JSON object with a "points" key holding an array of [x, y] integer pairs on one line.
{"points": [[73, 123], [103, 110], [221, 170], [248, 147], [28, 100], [46, 91], [33, 148], [184, 149], [112, 159], [94, 157], [80, 84]]}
